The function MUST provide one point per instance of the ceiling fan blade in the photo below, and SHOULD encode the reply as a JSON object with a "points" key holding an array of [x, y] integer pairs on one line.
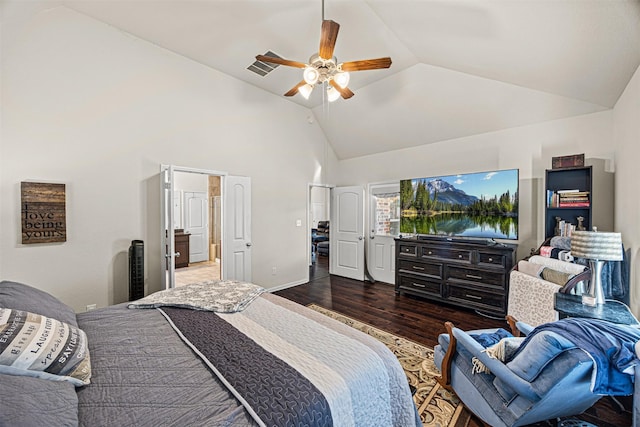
{"points": [[328, 38], [280, 61], [294, 89], [367, 64], [345, 92]]}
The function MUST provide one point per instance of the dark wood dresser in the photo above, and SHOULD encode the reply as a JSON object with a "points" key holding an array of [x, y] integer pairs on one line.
{"points": [[182, 248], [465, 272]]}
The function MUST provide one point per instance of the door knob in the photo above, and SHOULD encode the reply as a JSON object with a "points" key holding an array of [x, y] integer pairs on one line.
{"points": [[360, 237], [248, 244], [177, 254]]}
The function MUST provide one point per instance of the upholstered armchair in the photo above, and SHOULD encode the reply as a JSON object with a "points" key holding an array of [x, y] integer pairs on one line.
{"points": [[534, 283], [548, 379]]}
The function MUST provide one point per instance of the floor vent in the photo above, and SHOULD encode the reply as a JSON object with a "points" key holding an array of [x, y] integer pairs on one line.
{"points": [[263, 68]]}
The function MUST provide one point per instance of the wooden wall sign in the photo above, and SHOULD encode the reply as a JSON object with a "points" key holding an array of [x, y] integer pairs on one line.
{"points": [[44, 218]]}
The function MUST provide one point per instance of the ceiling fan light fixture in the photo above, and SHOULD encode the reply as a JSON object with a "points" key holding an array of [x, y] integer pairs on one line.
{"points": [[332, 94], [311, 75], [342, 79], [305, 90], [323, 66]]}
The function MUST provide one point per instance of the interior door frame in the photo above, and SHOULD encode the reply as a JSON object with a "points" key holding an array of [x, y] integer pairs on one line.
{"points": [[310, 220], [167, 226]]}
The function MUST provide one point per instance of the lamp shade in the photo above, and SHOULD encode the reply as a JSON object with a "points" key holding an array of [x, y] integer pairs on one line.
{"points": [[305, 90], [332, 94], [310, 75], [596, 245]]}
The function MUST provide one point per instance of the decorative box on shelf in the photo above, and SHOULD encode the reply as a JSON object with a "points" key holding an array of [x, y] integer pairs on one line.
{"points": [[572, 161]]}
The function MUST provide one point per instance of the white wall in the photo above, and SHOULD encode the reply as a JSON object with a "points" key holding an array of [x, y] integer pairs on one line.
{"points": [[89, 106], [528, 148], [626, 137]]}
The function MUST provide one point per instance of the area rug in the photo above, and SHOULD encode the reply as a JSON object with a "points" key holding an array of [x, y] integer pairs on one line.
{"points": [[437, 406]]}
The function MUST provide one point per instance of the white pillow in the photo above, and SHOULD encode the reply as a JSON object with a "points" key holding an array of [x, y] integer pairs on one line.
{"points": [[556, 264]]}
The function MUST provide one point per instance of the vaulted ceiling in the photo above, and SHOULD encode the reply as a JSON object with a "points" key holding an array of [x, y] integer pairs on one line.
{"points": [[460, 67]]}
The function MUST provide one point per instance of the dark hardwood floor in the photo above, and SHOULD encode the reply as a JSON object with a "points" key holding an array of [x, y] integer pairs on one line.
{"points": [[417, 319]]}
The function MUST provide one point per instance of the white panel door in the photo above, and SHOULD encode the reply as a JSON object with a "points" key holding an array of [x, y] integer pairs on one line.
{"points": [[196, 218], [384, 216], [236, 240], [347, 232]]}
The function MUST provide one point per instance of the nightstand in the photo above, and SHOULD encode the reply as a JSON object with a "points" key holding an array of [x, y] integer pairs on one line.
{"points": [[568, 305]]}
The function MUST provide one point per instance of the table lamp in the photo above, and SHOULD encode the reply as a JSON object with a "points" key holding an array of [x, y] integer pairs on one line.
{"points": [[596, 247]]}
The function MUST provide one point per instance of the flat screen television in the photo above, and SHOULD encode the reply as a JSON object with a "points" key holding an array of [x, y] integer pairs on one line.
{"points": [[482, 205]]}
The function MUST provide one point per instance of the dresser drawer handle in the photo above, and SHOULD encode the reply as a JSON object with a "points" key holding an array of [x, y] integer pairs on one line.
{"points": [[472, 296], [415, 267], [473, 276], [460, 256], [490, 259], [418, 285]]}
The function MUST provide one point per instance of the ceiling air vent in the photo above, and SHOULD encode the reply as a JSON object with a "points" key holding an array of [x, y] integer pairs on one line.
{"points": [[263, 68]]}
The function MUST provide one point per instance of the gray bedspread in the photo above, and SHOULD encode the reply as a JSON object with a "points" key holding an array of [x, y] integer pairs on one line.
{"points": [[144, 373]]}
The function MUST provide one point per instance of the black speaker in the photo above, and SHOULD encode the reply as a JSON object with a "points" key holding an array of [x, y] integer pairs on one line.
{"points": [[136, 270]]}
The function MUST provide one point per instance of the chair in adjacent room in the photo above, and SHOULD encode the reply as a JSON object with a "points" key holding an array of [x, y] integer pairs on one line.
{"points": [[322, 240]]}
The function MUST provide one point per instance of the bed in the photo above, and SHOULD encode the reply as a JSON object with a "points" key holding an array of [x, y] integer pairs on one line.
{"points": [[273, 363]]}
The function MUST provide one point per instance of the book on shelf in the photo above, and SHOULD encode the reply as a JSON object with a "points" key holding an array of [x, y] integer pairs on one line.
{"points": [[565, 228], [567, 198], [573, 205]]}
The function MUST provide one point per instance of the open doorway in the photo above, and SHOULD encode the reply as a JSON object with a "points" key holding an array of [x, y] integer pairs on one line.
{"points": [[319, 248], [197, 227], [231, 219]]}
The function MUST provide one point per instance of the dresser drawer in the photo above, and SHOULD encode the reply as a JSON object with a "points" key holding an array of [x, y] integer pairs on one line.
{"points": [[475, 275], [405, 249], [492, 259], [421, 285], [445, 253], [477, 298], [429, 269]]}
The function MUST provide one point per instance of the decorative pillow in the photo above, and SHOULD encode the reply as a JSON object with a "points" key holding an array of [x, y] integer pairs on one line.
{"points": [[530, 268], [43, 347], [561, 242], [27, 298], [554, 276], [556, 264]]}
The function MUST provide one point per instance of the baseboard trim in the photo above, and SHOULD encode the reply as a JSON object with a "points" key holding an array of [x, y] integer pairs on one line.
{"points": [[287, 285]]}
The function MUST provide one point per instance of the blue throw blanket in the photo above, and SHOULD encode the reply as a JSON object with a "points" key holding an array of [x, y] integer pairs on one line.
{"points": [[611, 347]]}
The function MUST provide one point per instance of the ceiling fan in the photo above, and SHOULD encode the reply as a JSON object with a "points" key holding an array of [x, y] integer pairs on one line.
{"points": [[323, 67]]}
